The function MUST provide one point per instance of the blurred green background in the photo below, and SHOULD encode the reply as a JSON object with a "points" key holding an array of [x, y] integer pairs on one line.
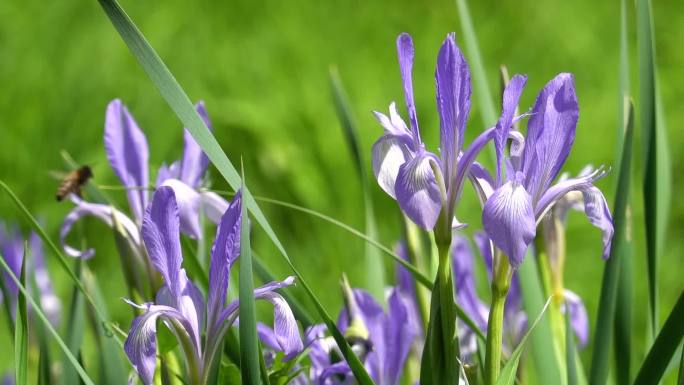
{"points": [[262, 68]]}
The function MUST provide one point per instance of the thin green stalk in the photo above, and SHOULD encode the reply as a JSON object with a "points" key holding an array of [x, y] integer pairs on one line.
{"points": [[500, 285]]}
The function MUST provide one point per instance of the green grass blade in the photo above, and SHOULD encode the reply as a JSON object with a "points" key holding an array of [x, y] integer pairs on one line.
{"points": [[7, 305], [570, 352], [75, 327], [655, 159], [623, 310], [375, 271], [664, 347], [300, 313], [607, 302], [21, 326], [61, 259], [544, 357], [508, 372], [44, 362], [179, 102], [482, 91], [249, 343], [112, 367], [38, 312]]}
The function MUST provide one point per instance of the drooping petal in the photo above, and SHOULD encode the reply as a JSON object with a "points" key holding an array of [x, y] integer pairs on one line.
{"points": [[417, 191], [285, 326], [578, 317], [508, 219], [453, 101], [262, 292], [224, 253], [482, 182], [598, 213], [103, 213], [161, 234], [188, 201], [398, 336], [389, 153], [511, 96], [214, 205], [556, 192], [127, 151], [405, 54], [550, 133], [194, 162], [141, 344]]}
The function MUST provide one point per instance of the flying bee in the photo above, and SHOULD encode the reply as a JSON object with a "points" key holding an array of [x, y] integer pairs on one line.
{"points": [[73, 182]]}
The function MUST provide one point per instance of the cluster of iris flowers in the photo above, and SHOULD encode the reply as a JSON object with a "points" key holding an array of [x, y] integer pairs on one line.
{"points": [[388, 335]]}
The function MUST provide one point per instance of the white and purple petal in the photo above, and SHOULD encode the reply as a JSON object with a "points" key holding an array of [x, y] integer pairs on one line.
{"points": [[188, 201], [508, 219], [389, 153], [417, 191], [452, 77], [550, 133], [127, 151], [579, 321]]}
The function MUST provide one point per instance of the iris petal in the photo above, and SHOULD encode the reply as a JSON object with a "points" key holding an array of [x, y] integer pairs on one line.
{"points": [[194, 162], [550, 133], [127, 151], [511, 96], [578, 316], [417, 191], [389, 153], [405, 54], [188, 201], [508, 219]]}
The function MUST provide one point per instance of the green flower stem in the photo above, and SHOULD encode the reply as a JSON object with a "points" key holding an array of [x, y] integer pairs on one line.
{"points": [[500, 285]]}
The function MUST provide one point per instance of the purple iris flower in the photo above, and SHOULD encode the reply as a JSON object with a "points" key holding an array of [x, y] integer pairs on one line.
{"points": [[179, 303], [382, 340], [402, 165], [520, 198], [12, 250], [128, 154]]}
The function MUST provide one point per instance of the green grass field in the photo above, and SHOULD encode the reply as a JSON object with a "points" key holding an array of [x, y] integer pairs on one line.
{"points": [[262, 69]]}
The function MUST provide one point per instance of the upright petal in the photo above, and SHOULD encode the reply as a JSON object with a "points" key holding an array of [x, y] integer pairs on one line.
{"points": [[389, 153], [126, 148], [195, 161], [165, 172], [511, 96], [224, 253], [405, 54], [417, 191], [453, 100], [161, 234], [188, 201], [550, 133], [508, 219]]}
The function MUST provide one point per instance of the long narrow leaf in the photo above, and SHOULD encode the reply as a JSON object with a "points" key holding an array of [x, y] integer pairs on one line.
{"points": [[664, 347], [541, 344], [375, 271], [654, 155], [75, 326], [507, 375], [21, 329], [482, 91], [249, 344], [179, 102], [37, 311], [607, 302]]}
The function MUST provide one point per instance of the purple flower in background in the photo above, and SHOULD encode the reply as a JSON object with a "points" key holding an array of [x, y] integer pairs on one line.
{"points": [[380, 339], [128, 154], [12, 250], [520, 199], [180, 305], [402, 165]]}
